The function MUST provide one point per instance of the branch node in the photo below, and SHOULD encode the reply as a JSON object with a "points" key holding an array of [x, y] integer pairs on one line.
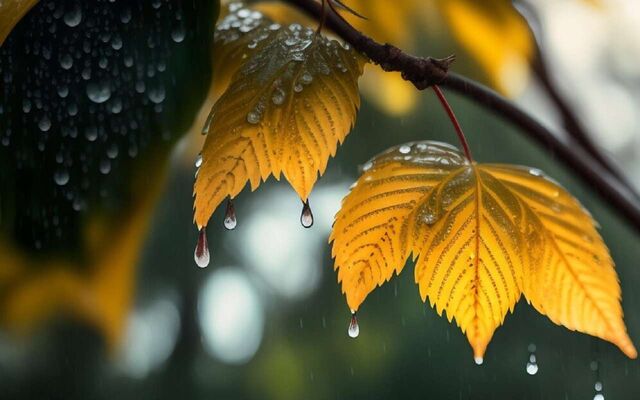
{"points": [[426, 72]]}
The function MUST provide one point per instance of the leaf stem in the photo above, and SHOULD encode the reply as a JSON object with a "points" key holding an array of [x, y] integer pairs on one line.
{"points": [[454, 121], [324, 16]]}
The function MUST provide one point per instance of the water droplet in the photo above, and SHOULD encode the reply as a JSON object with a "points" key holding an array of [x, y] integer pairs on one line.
{"points": [[278, 96], [112, 151], [63, 91], [306, 78], [116, 43], [404, 149], [105, 167], [535, 172], [354, 328], [598, 396], [532, 365], [44, 124], [98, 92], [73, 17], [230, 220], [367, 166], [598, 386], [429, 218], [61, 177], [116, 106], [157, 94], [478, 360], [199, 161], [26, 105], [125, 16], [91, 133], [253, 117], [178, 34], [66, 62], [291, 41], [201, 255], [306, 218]]}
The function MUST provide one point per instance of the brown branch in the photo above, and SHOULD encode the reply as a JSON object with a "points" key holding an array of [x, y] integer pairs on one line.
{"points": [[422, 72], [426, 72], [574, 127], [570, 121]]}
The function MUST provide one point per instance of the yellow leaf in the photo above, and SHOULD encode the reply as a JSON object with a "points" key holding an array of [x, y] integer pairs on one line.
{"points": [[285, 111], [496, 36], [12, 11], [389, 91], [580, 288], [482, 235]]}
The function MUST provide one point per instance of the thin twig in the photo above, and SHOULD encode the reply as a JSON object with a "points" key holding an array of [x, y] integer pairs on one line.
{"points": [[454, 121], [426, 72], [324, 17], [573, 126], [570, 121]]}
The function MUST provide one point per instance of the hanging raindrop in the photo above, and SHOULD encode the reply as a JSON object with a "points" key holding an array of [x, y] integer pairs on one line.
{"points": [[478, 360], [354, 328], [201, 255], [532, 364], [230, 220], [306, 218]]}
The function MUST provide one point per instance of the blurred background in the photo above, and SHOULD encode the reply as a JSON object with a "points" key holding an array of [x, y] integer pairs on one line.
{"points": [[101, 107]]}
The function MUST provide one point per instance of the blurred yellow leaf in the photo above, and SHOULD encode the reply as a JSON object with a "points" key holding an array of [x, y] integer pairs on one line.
{"points": [[12, 11], [482, 235], [97, 288], [496, 36], [388, 91], [285, 111]]}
